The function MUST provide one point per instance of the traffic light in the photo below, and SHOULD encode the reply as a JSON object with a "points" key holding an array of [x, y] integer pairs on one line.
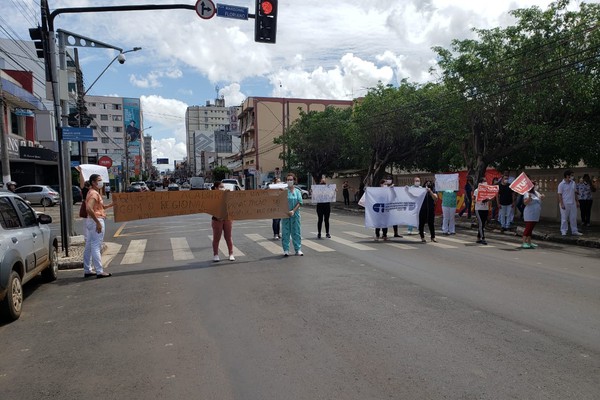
{"points": [[265, 21], [39, 39]]}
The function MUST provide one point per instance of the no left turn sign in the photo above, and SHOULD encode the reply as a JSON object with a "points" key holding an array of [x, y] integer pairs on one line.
{"points": [[205, 9]]}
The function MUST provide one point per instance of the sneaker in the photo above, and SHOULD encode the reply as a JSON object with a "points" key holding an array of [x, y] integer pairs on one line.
{"points": [[216, 259], [274, 237], [434, 240], [278, 237], [479, 241], [286, 253], [299, 253], [526, 246], [452, 233], [377, 239], [398, 236], [328, 236], [319, 236], [577, 234], [231, 258], [533, 245], [423, 240], [385, 238], [483, 242]]}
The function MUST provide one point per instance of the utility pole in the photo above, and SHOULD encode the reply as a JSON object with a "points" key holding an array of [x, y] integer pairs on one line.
{"points": [[4, 142]]}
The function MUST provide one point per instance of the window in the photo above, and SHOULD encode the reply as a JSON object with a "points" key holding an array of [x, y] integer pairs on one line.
{"points": [[117, 129], [103, 117], [94, 127], [8, 215], [29, 217], [118, 140], [92, 104], [117, 118], [116, 106], [93, 116], [104, 128], [93, 150], [105, 140]]}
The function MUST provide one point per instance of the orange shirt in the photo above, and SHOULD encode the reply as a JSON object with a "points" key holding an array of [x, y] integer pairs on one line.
{"points": [[98, 205]]}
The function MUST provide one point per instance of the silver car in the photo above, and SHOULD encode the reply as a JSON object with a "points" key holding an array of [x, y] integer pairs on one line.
{"points": [[39, 194], [27, 247]]}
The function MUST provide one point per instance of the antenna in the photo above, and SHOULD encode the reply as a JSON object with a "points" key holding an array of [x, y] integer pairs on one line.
{"points": [[217, 90]]}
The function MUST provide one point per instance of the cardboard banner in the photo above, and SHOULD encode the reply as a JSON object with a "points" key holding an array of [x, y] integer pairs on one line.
{"points": [[522, 184], [385, 206], [486, 192], [445, 182], [89, 169], [231, 205], [323, 193]]}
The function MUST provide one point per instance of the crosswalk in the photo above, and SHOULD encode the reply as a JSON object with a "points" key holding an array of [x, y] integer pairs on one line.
{"points": [[136, 250]]}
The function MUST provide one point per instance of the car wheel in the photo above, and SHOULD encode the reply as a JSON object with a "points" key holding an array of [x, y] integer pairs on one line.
{"points": [[46, 202], [305, 196], [13, 302], [50, 274]]}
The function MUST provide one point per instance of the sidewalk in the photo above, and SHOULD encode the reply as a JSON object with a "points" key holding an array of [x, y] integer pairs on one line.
{"points": [[75, 259], [544, 230]]}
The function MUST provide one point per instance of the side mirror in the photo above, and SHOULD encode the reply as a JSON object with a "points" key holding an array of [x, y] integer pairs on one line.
{"points": [[44, 219]]}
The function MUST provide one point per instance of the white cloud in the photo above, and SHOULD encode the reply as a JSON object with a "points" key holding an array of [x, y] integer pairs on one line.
{"points": [[232, 94], [152, 79]]}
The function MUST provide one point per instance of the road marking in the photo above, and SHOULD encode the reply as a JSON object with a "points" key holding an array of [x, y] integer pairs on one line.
{"points": [[118, 232], [181, 249], [267, 244], [401, 246], [456, 240], [316, 246], [223, 248], [417, 239], [354, 245], [135, 252], [358, 235]]}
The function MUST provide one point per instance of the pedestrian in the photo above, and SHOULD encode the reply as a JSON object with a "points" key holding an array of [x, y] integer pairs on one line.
{"points": [[495, 205], [416, 183], [427, 212], [449, 212], [531, 214], [384, 231], [95, 229], [585, 189], [11, 186], [323, 212], [569, 202], [507, 201], [277, 221], [482, 213], [346, 193], [468, 198], [221, 227], [107, 190], [291, 226]]}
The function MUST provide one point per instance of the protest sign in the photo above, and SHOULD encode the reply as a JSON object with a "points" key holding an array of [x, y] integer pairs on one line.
{"points": [[323, 193], [486, 192], [235, 205], [88, 170], [522, 184], [444, 182], [385, 206]]}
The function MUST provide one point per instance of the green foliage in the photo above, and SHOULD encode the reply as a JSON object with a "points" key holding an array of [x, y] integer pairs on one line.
{"points": [[221, 172]]}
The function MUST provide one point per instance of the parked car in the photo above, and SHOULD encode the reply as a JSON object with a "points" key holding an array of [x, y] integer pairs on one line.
{"points": [[77, 195], [134, 187], [173, 187], [39, 194], [233, 181], [208, 185], [27, 247], [185, 185], [305, 193], [142, 185], [151, 185], [197, 183], [232, 186]]}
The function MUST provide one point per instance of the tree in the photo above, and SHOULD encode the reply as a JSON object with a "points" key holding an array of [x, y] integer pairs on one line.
{"points": [[219, 173]]}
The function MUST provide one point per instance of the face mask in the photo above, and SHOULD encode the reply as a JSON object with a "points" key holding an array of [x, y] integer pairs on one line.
{"points": [[290, 183], [417, 183]]}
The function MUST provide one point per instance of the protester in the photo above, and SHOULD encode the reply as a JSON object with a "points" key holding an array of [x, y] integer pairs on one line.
{"points": [[277, 221], [481, 212], [107, 190], [95, 229], [449, 212], [384, 231], [507, 201], [495, 205], [323, 212], [568, 201], [416, 183], [468, 198], [427, 212], [531, 214], [585, 188], [221, 227], [291, 226], [346, 193]]}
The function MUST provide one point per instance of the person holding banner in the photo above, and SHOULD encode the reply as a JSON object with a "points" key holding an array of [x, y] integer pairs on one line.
{"points": [[221, 227], [531, 214], [481, 212], [291, 226], [95, 228], [323, 212], [427, 212]]}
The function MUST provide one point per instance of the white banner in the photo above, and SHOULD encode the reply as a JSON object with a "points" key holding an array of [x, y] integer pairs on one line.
{"points": [[445, 182], [323, 193], [89, 169], [385, 206], [278, 185]]}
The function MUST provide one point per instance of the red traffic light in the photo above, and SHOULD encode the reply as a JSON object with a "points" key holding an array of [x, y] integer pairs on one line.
{"points": [[267, 7]]}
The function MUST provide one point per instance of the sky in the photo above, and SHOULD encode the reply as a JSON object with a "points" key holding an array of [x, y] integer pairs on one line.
{"points": [[326, 49]]}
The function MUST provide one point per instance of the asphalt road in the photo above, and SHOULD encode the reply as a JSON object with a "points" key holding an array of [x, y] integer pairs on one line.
{"points": [[352, 319]]}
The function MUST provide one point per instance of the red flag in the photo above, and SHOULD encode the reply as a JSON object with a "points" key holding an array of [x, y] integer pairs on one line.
{"points": [[521, 184]]}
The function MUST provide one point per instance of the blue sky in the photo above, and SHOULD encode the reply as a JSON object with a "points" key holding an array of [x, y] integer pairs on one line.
{"points": [[325, 49]]}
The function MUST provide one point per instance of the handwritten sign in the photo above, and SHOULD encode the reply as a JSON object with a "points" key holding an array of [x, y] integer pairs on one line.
{"points": [[444, 182], [236, 205], [89, 169], [323, 193], [522, 184], [486, 192]]}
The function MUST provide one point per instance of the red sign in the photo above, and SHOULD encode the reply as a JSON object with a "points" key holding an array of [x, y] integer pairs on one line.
{"points": [[486, 192], [105, 161], [522, 184]]}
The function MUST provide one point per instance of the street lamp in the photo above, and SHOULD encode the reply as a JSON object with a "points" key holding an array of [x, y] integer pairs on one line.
{"points": [[120, 57]]}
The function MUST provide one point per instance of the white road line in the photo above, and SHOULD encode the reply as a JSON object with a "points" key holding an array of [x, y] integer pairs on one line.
{"points": [[359, 235], [181, 249], [401, 246], [354, 245], [417, 239], [272, 246], [316, 246], [388, 243], [223, 248], [456, 240], [135, 252]]}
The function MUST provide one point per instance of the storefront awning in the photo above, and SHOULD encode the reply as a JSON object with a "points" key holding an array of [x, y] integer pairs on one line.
{"points": [[20, 97]]}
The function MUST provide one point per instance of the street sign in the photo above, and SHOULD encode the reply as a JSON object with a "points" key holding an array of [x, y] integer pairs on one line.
{"points": [[78, 134], [205, 9], [234, 12], [105, 161]]}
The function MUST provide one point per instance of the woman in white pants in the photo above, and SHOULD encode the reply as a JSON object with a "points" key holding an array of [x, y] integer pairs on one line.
{"points": [[95, 229], [448, 211]]}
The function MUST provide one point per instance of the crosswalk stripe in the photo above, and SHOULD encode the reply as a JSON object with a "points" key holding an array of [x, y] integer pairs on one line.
{"points": [[417, 239], [401, 246], [181, 249], [223, 248], [135, 252], [316, 246], [354, 245], [358, 235], [456, 240], [273, 247]]}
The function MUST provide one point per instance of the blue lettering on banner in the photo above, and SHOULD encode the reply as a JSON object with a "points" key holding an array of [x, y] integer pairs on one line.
{"points": [[399, 206]]}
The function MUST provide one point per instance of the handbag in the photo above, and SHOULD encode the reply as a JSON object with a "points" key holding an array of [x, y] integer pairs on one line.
{"points": [[83, 210]]}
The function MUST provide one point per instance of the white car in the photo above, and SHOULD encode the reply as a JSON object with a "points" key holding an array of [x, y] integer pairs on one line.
{"points": [[232, 186], [234, 182], [305, 193]]}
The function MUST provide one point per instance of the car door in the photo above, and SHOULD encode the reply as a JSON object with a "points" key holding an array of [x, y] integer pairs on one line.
{"points": [[19, 239], [32, 229], [23, 192], [36, 194]]}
